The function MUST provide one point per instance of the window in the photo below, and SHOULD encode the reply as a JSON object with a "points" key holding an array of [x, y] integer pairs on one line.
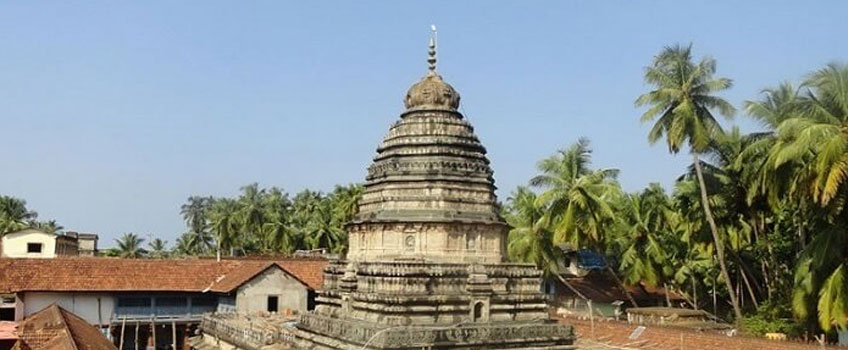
{"points": [[273, 303], [7, 314], [171, 302], [204, 301], [34, 247], [134, 302]]}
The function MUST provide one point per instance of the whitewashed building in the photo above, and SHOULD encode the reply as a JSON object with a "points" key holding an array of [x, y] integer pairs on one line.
{"points": [[115, 294], [33, 243]]}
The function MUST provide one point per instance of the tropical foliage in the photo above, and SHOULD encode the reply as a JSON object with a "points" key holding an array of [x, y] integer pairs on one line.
{"points": [[15, 216], [267, 221], [757, 220], [754, 229]]}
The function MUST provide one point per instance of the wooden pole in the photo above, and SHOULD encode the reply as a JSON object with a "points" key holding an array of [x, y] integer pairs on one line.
{"points": [[153, 328], [123, 325], [99, 316], [174, 333]]}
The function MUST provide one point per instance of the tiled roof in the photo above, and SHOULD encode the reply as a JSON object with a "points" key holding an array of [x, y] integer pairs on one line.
{"points": [[54, 328], [309, 271], [7, 330], [600, 288], [112, 274]]}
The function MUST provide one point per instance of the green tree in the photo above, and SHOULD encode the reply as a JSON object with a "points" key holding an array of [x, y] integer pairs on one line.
{"points": [[252, 215], [643, 224], [225, 224], [810, 156], [130, 246], [14, 214], [529, 239], [195, 213], [49, 226], [682, 103], [345, 201], [324, 230], [577, 200], [158, 248]]}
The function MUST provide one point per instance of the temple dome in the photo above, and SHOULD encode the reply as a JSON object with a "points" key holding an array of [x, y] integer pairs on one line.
{"points": [[430, 192], [432, 93]]}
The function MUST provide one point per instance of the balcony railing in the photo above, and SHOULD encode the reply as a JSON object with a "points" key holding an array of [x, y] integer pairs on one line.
{"points": [[189, 313]]}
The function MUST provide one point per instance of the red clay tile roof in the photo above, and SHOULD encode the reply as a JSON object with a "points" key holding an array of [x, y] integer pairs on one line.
{"points": [[7, 330], [309, 271], [54, 328], [111, 274], [600, 288]]}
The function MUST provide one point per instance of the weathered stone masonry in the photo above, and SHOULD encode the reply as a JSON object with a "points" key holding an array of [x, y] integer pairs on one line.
{"points": [[426, 263]]}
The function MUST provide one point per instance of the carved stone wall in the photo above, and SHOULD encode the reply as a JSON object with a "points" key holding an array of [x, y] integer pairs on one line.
{"points": [[426, 263], [427, 241], [429, 195]]}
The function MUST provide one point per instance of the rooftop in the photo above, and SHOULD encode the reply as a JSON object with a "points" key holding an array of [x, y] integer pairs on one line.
{"points": [[54, 328], [113, 274]]}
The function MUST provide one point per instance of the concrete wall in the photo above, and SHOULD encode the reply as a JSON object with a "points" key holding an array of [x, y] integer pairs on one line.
{"points": [[87, 245], [252, 297], [84, 305], [15, 244]]}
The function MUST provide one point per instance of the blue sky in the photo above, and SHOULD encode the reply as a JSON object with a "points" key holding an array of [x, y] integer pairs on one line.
{"points": [[113, 113]]}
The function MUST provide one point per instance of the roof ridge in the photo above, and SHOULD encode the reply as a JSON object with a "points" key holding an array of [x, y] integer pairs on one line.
{"points": [[68, 329], [54, 307]]}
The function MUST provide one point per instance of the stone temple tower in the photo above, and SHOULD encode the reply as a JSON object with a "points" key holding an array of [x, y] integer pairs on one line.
{"points": [[426, 266], [429, 195]]}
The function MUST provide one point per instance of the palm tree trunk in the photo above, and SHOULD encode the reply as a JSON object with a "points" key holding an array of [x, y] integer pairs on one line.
{"points": [[748, 278], [716, 239], [573, 290], [694, 293], [622, 286], [218, 250]]}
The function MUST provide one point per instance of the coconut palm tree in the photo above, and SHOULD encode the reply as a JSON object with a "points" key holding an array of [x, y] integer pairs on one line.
{"points": [[14, 214], [683, 102], [530, 240], [346, 201], [130, 246], [577, 200], [252, 214], [47, 226], [158, 248], [324, 230], [812, 146], [643, 224], [195, 213], [223, 215]]}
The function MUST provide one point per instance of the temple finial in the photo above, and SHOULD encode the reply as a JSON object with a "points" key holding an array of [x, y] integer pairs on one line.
{"points": [[431, 59]]}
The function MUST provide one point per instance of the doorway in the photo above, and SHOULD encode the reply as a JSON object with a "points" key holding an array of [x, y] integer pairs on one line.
{"points": [[478, 311]]}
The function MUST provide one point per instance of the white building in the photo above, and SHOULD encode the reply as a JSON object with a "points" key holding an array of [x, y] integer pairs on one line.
{"points": [[113, 293], [33, 243]]}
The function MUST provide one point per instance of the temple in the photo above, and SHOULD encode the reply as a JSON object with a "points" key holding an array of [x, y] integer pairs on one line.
{"points": [[426, 267]]}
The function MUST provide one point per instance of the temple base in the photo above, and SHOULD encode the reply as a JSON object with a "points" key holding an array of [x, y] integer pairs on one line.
{"points": [[316, 332], [402, 305]]}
